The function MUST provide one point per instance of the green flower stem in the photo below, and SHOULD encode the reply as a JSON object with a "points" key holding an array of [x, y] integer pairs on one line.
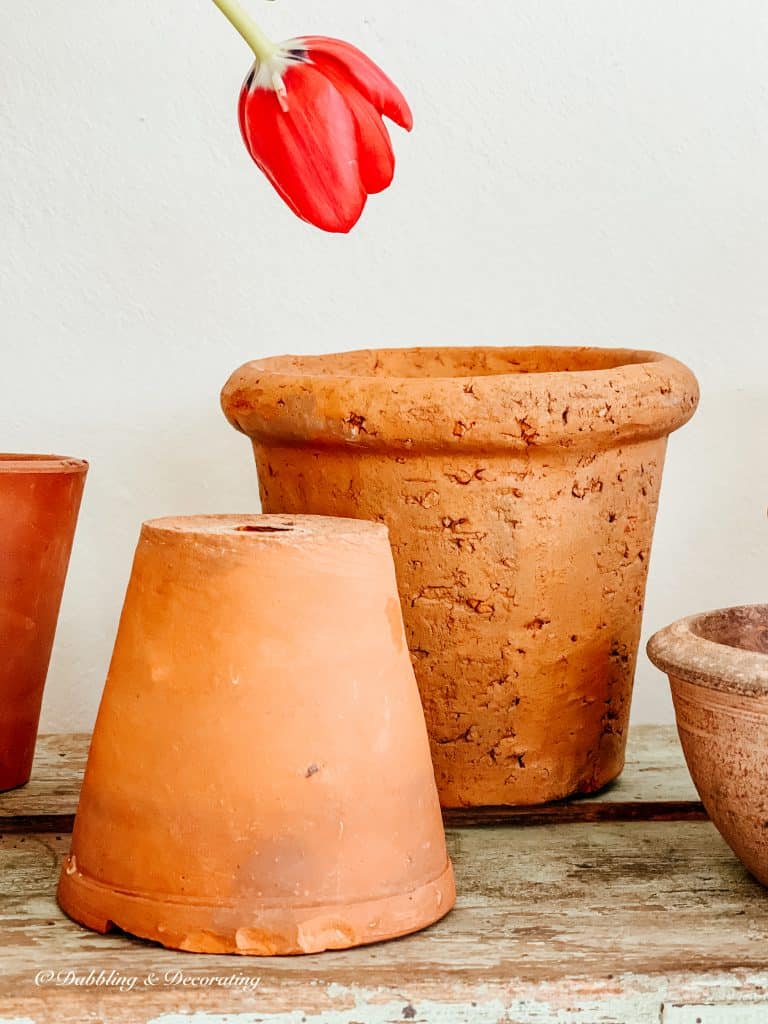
{"points": [[234, 12]]}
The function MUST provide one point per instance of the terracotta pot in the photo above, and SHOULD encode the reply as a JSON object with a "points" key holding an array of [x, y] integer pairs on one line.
{"points": [[39, 502], [520, 487], [259, 780], [717, 665]]}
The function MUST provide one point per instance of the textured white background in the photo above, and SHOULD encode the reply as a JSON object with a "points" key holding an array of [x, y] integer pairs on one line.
{"points": [[592, 172]]}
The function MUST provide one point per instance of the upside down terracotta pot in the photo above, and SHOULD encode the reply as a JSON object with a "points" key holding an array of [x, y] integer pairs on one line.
{"points": [[39, 504], [717, 665], [520, 487], [259, 779]]}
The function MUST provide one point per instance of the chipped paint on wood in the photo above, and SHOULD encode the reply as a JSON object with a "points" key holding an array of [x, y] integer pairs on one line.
{"points": [[545, 918], [492, 1011], [720, 1013], [633, 923]]}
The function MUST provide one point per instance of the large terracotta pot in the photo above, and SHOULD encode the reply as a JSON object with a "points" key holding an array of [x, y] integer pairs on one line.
{"points": [[717, 665], [520, 487], [259, 780], [39, 503]]}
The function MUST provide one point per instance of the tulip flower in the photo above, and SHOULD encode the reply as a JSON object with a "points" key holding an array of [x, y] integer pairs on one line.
{"points": [[311, 115]]}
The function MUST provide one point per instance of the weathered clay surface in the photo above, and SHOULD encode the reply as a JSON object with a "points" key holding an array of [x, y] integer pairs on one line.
{"points": [[39, 503], [520, 487], [718, 669], [259, 780]]}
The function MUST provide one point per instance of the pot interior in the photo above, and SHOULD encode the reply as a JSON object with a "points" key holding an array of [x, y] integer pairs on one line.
{"points": [[458, 362], [745, 629]]}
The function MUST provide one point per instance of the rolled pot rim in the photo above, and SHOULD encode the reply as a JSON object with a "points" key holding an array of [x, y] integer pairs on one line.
{"points": [[684, 651], [504, 396], [11, 462]]}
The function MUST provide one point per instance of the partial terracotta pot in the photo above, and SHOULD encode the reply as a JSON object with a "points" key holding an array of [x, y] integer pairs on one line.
{"points": [[259, 780], [39, 503], [717, 665], [520, 487]]}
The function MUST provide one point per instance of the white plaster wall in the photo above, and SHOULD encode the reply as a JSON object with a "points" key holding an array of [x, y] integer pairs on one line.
{"points": [[591, 172]]}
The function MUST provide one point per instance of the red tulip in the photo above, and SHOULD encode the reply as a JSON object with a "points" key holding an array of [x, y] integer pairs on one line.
{"points": [[311, 114]]}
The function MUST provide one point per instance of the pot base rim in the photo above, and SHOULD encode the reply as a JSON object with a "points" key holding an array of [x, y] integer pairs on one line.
{"points": [[265, 931]]}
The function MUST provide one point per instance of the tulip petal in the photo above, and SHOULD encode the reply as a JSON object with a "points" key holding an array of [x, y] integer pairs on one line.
{"points": [[375, 153], [310, 151], [361, 71]]}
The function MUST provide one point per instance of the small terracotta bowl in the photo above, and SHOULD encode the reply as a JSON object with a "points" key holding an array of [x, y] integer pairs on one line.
{"points": [[717, 665]]}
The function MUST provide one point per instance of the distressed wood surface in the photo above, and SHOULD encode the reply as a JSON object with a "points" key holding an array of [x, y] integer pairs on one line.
{"points": [[617, 922], [655, 785], [606, 922], [49, 800]]}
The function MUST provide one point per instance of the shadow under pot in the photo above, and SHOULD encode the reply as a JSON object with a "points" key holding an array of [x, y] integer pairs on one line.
{"points": [[39, 503], [717, 665], [520, 487]]}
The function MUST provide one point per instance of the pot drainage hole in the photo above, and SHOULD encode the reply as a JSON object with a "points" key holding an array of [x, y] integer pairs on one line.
{"points": [[264, 529]]}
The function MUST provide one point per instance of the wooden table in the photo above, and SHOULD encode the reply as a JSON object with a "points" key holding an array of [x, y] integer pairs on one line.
{"points": [[625, 908]]}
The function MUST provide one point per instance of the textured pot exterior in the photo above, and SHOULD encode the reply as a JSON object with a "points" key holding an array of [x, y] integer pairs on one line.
{"points": [[520, 487], [718, 670], [259, 780], [39, 503]]}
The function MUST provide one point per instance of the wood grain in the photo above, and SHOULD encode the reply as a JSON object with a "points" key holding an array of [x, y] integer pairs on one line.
{"points": [[655, 785], [54, 788], [611, 922], [583, 919]]}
